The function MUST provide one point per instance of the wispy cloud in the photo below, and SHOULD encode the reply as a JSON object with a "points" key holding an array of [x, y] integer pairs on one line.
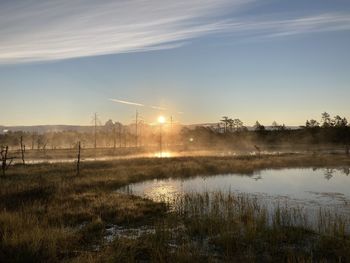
{"points": [[293, 26], [48, 30], [127, 102], [51, 30], [139, 104]]}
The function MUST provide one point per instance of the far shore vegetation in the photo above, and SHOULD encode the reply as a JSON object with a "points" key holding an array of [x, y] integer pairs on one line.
{"points": [[114, 138]]}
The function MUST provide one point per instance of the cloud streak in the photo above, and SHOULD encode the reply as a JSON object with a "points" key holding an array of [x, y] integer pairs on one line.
{"points": [[52, 30], [127, 102], [139, 104]]}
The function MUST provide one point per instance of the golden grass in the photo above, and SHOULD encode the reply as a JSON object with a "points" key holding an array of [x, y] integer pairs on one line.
{"points": [[47, 214]]}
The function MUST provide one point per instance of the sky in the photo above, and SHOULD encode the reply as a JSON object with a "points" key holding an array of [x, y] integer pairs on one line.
{"points": [[194, 60]]}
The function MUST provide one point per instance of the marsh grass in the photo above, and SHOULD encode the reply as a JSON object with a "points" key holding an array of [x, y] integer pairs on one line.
{"points": [[48, 214], [224, 227]]}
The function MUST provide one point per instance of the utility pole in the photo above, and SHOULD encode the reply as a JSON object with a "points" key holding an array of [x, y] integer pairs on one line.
{"points": [[161, 121], [170, 141], [125, 136], [160, 141], [95, 131], [136, 123], [140, 133], [114, 136], [78, 159], [120, 135]]}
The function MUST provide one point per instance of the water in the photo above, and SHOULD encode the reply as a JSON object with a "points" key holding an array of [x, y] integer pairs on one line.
{"points": [[310, 188]]}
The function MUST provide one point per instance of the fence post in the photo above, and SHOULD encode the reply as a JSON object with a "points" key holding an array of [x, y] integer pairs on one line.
{"points": [[23, 147], [78, 159]]}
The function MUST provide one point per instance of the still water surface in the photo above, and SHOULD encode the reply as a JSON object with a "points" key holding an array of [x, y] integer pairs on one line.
{"points": [[310, 188]]}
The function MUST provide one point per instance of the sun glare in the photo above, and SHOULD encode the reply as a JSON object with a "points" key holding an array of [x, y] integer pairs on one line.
{"points": [[161, 119]]}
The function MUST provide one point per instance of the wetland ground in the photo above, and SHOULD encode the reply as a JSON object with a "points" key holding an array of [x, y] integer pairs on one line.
{"points": [[48, 214]]}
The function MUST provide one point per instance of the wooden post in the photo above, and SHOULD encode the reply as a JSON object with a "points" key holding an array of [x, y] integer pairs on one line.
{"points": [[23, 148], [78, 159], [4, 158]]}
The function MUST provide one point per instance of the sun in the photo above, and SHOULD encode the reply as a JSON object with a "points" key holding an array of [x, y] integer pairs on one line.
{"points": [[161, 119]]}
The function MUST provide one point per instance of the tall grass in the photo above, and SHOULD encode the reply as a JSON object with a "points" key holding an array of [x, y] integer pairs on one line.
{"points": [[215, 227]]}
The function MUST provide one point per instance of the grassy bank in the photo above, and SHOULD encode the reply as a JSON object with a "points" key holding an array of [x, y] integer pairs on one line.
{"points": [[48, 214]]}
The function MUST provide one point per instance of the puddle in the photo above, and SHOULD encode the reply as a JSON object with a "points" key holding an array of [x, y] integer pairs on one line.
{"points": [[113, 231]]}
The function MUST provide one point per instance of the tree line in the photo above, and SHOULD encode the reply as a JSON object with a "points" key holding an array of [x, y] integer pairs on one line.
{"points": [[232, 132]]}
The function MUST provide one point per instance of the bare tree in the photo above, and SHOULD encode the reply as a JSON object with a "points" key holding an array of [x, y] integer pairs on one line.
{"points": [[34, 135]]}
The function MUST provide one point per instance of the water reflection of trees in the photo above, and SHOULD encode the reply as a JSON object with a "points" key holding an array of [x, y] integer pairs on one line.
{"points": [[329, 172]]}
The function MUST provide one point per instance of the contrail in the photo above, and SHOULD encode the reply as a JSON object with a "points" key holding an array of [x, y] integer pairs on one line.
{"points": [[127, 102], [142, 105]]}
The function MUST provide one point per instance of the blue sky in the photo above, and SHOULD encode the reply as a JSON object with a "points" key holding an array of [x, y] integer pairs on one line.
{"points": [[199, 60]]}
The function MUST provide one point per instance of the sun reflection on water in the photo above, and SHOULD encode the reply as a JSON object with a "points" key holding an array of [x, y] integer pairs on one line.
{"points": [[163, 192], [164, 154]]}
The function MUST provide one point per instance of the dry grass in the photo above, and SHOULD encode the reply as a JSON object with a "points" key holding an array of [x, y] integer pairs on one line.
{"points": [[47, 214]]}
